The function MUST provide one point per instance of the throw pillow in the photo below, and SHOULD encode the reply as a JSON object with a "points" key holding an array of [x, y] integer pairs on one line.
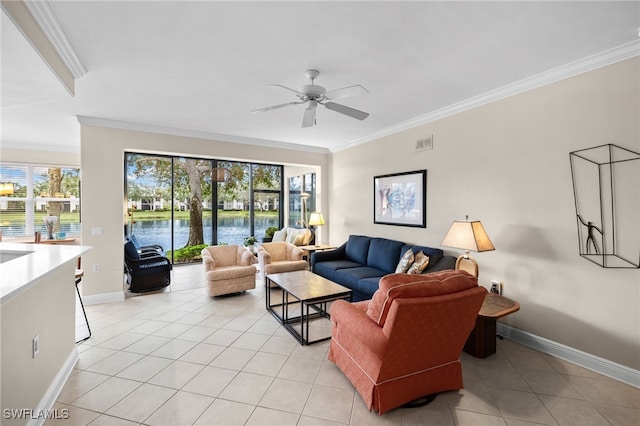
{"points": [[299, 241], [420, 263], [130, 251], [280, 235], [405, 262]]}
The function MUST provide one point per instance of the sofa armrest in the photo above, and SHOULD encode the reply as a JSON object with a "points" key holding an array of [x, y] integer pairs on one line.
{"points": [[444, 263], [328, 255]]}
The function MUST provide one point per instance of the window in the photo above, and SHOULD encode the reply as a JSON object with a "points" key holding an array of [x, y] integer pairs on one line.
{"points": [[302, 199], [171, 202], [28, 193]]}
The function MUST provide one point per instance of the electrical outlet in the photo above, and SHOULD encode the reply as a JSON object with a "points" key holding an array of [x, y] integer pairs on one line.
{"points": [[496, 286], [96, 231], [35, 346], [96, 267]]}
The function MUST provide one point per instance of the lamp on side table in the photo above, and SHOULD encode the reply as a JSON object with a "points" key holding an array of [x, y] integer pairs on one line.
{"points": [[468, 236], [316, 219]]}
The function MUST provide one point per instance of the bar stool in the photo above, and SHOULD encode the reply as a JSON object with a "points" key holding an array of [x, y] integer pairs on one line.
{"points": [[79, 274]]}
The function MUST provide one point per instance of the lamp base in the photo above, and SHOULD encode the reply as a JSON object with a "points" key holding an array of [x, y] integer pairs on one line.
{"points": [[467, 264]]}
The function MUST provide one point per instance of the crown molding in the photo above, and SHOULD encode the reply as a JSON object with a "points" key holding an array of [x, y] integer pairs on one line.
{"points": [[589, 63], [44, 16], [149, 128]]}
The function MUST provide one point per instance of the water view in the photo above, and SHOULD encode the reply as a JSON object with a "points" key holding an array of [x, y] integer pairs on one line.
{"points": [[231, 230]]}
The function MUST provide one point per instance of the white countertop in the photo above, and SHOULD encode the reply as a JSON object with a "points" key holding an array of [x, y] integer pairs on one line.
{"points": [[20, 273]]}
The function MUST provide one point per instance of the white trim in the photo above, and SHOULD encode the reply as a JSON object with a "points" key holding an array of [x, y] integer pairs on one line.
{"points": [[591, 362], [49, 25], [52, 393], [599, 60], [150, 128], [41, 147], [96, 299]]}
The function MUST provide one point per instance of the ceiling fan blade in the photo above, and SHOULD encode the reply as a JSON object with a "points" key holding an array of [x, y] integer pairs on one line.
{"points": [[289, 89], [351, 112], [309, 117], [276, 107], [345, 92]]}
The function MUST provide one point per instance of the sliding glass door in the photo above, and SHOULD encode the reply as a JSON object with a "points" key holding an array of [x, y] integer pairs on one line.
{"points": [[171, 201]]}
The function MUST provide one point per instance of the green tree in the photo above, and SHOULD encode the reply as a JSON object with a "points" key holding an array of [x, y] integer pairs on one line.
{"points": [[192, 181]]}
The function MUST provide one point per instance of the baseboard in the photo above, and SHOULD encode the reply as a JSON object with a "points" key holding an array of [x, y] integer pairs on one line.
{"points": [[96, 299], [44, 410], [591, 362]]}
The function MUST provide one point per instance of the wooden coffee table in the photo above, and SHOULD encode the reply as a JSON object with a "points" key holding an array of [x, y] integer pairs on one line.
{"points": [[482, 340], [305, 292]]}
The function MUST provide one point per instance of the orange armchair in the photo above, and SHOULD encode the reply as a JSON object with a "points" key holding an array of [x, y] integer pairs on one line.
{"points": [[405, 343]]}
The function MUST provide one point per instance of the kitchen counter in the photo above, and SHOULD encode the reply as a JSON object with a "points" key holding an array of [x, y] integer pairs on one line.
{"points": [[24, 264], [37, 323]]}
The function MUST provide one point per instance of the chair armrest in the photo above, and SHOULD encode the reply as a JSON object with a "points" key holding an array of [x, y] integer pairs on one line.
{"points": [[152, 247], [264, 257], [353, 328], [208, 261], [247, 258], [151, 253], [148, 264], [296, 254]]}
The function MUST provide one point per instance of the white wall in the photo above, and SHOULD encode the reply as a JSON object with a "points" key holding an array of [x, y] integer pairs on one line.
{"points": [[103, 204], [507, 164]]}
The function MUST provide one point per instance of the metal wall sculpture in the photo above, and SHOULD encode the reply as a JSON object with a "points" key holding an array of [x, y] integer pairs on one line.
{"points": [[606, 189]]}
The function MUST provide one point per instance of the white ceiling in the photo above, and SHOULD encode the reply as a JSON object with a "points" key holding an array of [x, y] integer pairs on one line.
{"points": [[201, 67]]}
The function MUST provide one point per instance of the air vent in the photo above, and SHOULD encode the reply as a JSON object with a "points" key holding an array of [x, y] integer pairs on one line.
{"points": [[424, 144]]}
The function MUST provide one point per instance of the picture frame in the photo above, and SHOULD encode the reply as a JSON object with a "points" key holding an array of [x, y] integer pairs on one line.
{"points": [[401, 199]]}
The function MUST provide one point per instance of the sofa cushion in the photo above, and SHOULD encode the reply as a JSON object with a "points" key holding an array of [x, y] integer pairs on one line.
{"points": [[420, 263], [280, 236], [357, 248], [405, 262], [384, 254], [434, 254], [328, 269], [350, 277], [410, 286], [368, 286]]}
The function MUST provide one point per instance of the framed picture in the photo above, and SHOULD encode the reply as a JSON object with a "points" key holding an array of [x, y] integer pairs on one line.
{"points": [[401, 199]]}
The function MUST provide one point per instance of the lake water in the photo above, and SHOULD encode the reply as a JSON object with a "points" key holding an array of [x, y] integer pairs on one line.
{"points": [[231, 230]]}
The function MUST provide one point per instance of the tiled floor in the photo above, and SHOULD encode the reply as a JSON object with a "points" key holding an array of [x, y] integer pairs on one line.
{"points": [[182, 358]]}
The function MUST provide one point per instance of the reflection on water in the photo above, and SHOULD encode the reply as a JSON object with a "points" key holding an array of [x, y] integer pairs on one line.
{"points": [[231, 230]]}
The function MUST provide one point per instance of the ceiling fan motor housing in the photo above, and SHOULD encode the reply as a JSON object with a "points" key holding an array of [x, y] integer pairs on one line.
{"points": [[313, 91]]}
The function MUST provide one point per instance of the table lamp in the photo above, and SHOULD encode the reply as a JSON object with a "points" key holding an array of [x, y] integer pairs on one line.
{"points": [[316, 219], [468, 236]]}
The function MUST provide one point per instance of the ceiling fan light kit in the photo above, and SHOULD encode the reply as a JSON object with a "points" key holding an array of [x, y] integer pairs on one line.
{"points": [[315, 95]]}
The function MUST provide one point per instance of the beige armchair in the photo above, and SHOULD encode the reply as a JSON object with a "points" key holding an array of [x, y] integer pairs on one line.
{"points": [[278, 257], [228, 269]]}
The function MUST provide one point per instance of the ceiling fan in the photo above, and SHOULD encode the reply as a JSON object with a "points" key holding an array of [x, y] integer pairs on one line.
{"points": [[316, 95]]}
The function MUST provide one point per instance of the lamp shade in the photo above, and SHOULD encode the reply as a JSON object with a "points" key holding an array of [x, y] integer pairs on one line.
{"points": [[220, 174], [316, 219], [6, 188], [468, 235]]}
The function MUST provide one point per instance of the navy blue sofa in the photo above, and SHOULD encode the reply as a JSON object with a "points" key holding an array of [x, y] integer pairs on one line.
{"points": [[360, 262]]}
